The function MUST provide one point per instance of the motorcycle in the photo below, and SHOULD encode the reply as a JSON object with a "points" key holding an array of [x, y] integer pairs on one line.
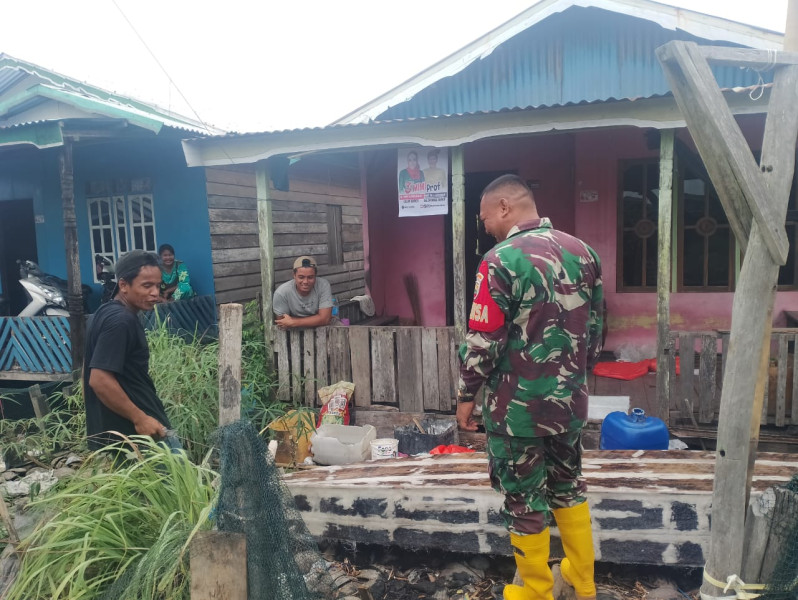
{"points": [[104, 269], [47, 293]]}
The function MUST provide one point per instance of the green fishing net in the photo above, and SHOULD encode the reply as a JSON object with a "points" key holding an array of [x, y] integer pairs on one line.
{"points": [[283, 560]]}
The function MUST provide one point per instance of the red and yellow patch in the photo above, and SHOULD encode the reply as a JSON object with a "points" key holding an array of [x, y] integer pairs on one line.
{"points": [[485, 313]]}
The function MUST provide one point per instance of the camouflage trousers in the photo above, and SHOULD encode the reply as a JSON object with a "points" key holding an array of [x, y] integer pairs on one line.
{"points": [[536, 475]]}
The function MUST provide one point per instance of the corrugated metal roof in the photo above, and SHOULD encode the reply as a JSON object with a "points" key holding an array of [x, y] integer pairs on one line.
{"points": [[13, 71], [708, 29], [579, 55]]}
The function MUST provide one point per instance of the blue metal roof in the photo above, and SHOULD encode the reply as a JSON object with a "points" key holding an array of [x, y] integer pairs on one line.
{"points": [[578, 55]]}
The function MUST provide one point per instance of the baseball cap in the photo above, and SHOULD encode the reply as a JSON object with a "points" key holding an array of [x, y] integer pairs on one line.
{"points": [[305, 261]]}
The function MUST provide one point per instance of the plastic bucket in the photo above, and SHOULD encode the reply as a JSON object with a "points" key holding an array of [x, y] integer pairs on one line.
{"points": [[384, 448]]}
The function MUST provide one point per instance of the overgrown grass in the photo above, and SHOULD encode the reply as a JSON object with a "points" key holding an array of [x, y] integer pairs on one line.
{"points": [[118, 532], [185, 374], [186, 378]]}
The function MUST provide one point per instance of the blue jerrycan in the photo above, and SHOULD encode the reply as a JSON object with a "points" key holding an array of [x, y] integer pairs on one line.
{"points": [[635, 431]]}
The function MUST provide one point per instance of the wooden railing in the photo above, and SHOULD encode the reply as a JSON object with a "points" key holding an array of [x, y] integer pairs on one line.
{"points": [[412, 368], [695, 392], [39, 348], [35, 348]]}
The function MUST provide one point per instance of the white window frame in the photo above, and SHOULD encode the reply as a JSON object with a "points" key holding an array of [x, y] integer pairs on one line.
{"points": [[102, 227], [122, 225], [134, 225]]}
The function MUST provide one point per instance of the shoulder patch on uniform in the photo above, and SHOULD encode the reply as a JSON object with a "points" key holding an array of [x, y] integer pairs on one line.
{"points": [[485, 313]]}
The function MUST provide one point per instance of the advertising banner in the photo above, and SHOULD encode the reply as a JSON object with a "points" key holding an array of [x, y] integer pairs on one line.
{"points": [[423, 181]]}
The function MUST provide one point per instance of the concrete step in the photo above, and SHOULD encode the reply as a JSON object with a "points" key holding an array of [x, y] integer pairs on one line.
{"points": [[648, 507]]}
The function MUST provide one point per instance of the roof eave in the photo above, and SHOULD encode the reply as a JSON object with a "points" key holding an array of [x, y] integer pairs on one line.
{"points": [[659, 113]]}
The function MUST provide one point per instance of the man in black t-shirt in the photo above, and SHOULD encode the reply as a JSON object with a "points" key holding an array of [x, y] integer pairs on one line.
{"points": [[120, 395]]}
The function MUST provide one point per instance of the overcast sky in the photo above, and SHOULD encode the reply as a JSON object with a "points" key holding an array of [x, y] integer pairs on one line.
{"points": [[250, 65]]}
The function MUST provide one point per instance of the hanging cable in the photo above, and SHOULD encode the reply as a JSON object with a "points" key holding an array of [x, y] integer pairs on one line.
{"points": [[169, 77]]}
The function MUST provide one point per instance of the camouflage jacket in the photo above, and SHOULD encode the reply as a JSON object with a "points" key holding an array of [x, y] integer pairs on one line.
{"points": [[534, 327]]}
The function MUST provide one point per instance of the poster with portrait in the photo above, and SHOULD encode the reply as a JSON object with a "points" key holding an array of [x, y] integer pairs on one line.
{"points": [[423, 181]]}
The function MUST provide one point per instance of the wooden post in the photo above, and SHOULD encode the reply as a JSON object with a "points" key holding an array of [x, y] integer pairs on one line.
{"points": [[77, 324], [266, 243], [40, 405], [664, 273], [218, 566], [230, 323], [458, 242]]}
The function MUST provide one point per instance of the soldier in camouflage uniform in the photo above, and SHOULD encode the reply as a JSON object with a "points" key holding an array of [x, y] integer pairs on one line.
{"points": [[535, 327]]}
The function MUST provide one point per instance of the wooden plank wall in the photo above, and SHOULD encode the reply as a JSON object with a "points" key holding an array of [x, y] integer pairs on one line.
{"points": [[233, 216], [412, 368], [321, 215], [695, 392]]}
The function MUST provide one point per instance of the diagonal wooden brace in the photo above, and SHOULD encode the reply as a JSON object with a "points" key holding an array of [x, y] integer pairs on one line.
{"points": [[737, 178]]}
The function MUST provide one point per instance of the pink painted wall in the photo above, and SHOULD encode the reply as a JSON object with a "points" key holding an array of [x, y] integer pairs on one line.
{"points": [[633, 316], [402, 246], [565, 164]]}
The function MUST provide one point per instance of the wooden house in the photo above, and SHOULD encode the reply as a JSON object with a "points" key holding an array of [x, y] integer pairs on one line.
{"points": [[117, 163], [570, 96]]}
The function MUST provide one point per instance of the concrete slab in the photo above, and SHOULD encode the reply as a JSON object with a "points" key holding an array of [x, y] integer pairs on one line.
{"points": [[648, 507]]}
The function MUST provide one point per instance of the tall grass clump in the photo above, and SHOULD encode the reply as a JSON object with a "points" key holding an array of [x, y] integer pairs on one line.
{"points": [[118, 533], [185, 374], [186, 377]]}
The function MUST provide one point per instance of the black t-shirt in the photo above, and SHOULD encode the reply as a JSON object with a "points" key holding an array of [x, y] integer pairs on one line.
{"points": [[115, 342]]}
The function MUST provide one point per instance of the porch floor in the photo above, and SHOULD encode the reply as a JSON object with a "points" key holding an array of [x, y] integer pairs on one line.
{"points": [[648, 507]]}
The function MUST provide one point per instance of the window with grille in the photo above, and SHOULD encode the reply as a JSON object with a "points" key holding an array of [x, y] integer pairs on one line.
{"points": [[706, 248], [121, 217], [706, 242], [637, 226]]}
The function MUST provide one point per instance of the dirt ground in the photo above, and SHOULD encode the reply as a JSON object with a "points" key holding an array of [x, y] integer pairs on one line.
{"points": [[396, 574]]}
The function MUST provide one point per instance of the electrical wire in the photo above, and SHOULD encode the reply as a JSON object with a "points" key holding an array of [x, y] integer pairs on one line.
{"points": [[168, 76]]}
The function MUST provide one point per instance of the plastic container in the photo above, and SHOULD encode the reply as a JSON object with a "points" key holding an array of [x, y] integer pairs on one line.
{"points": [[384, 448], [342, 444], [635, 431], [438, 432]]}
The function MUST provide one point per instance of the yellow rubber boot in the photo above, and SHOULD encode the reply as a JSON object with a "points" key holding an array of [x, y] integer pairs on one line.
{"points": [[576, 534], [532, 559]]}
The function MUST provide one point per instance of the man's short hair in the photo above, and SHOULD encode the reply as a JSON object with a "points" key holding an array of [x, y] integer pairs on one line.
{"points": [[509, 180], [129, 265], [434, 152], [305, 261]]}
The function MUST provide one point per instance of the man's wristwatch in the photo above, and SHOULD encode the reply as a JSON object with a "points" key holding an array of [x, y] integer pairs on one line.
{"points": [[464, 396]]}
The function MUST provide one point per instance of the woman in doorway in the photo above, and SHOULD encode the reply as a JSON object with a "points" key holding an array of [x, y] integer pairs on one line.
{"points": [[175, 282]]}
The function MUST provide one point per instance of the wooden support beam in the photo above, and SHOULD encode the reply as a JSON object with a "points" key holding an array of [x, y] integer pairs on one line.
{"points": [[218, 566], [458, 242], [749, 343], [77, 324], [751, 57], [266, 243], [722, 147], [664, 272], [230, 324]]}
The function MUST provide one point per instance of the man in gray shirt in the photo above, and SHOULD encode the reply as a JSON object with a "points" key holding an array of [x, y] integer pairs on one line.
{"points": [[305, 300]]}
